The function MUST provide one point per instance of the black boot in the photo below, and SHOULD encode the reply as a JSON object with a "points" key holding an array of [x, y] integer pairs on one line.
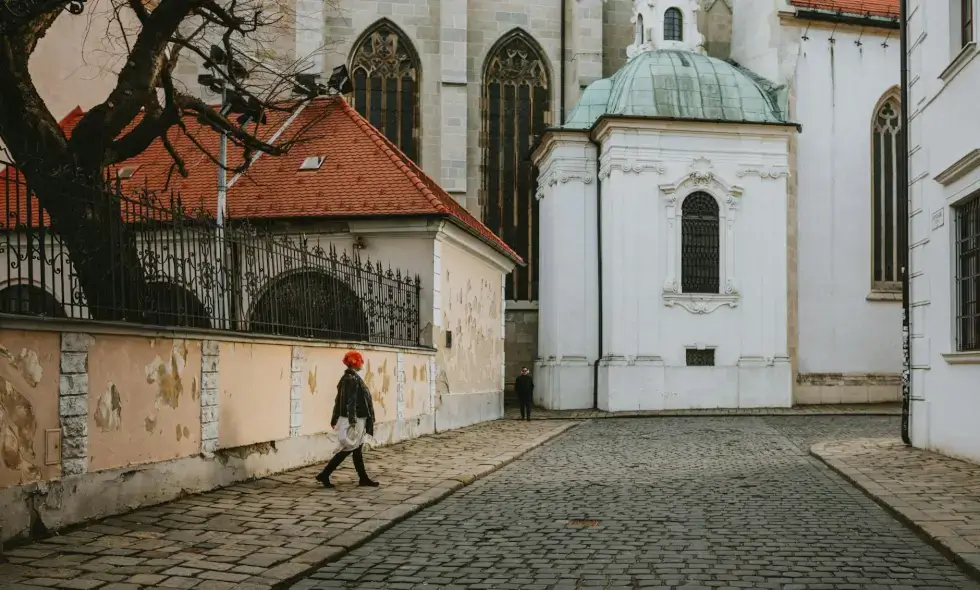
{"points": [[324, 476], [361, 472]]}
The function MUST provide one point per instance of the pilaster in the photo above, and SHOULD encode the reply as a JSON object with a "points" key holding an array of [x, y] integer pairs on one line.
{"points": [[73, 402], [297, 368], [400, 387], [209, 397], [584, 49], [453, 79]]}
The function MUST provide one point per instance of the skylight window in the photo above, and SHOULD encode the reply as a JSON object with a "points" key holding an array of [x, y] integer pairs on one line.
{"points": [[126, 172], [312, 163]]}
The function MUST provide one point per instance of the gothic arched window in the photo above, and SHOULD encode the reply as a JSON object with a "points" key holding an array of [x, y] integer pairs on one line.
{"points": [[516, 103], [885, 151], [639, 30], [700, 244], [673, 25], [384, 68]]}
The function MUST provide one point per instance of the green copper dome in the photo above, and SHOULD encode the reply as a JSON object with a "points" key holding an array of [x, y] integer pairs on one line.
{"points": [[681, 85]]}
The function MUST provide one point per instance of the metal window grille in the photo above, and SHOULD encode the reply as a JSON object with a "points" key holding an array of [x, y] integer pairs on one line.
{"points": [[673, 25], [700, 358], [385, 73], [885, 157], [516, 103], [149, 260], [700, 244], [967, 227]]}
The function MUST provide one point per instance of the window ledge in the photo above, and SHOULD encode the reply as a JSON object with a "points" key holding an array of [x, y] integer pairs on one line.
{"points": [[884, 295], [964, 57], [970, 357], [701, 303]]}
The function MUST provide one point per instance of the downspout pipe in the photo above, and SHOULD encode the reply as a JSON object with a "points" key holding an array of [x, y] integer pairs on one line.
{"points": [[561, 66], [598, 246], [903, 210]]}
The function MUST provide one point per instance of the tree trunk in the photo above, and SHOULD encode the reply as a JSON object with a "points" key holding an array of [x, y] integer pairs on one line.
{"points": [[95, 226]]}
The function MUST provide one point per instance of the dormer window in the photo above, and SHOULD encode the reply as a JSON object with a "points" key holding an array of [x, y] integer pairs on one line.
{"points": [[673, 25]]}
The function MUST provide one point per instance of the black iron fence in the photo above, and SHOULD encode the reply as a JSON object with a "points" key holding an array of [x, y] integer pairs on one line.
{"points": [[101, 253]]}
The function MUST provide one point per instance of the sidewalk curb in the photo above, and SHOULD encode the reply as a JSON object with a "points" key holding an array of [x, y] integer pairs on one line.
{"points": [[971, 568], [623, 416], [356, 538]]}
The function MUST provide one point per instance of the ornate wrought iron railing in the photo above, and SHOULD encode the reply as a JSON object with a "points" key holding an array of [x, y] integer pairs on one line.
{"points": [[102, 254]]}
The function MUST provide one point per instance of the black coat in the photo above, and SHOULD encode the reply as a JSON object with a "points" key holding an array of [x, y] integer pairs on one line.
{"points": [[353, 401], [524, 385]]}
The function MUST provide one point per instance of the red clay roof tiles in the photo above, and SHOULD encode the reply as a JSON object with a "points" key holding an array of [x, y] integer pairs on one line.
{"points": [[362, 174], [881, 8]]}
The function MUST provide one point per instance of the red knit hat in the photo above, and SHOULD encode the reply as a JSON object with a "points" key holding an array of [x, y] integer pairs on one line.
{"points": [[353, 359]]}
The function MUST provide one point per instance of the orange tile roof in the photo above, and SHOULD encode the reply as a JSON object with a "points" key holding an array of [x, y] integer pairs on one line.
{"points": [[363, 174], [880, 8]]}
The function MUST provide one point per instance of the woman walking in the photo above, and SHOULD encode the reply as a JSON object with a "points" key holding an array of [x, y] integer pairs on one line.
{"points": [[353, 419]]}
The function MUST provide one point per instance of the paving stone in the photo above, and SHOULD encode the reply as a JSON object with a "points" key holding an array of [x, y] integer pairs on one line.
{"points": [[699, 502], [938, 495], [262, 532]]}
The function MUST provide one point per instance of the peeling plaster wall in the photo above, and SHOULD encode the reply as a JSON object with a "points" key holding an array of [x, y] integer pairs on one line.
{"points": [[144, 401], [469, 384], [267, 402], [253, 401], [30, 434]]}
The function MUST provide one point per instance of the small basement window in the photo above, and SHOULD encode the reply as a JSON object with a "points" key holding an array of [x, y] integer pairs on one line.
{"points": [[312, 163], [700, 358]]}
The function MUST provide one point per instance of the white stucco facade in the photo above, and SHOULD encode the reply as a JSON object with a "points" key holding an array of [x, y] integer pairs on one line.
{"points": [[944, 176], [849, 329], [647, 170]]}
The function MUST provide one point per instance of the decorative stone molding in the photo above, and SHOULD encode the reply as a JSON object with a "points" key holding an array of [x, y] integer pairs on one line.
{"points": [[297, 367], [700, 303], [628, 165], [959, 168], [701, 178], [209, 397], [763, 172], [73, 402], [568, 176]]}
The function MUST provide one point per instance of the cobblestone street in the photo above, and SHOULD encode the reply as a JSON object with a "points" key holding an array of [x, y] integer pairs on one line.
{"points": [[671, 502]]}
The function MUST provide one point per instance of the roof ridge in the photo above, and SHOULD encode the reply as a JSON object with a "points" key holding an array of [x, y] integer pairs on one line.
{"points": [[395, 155]]}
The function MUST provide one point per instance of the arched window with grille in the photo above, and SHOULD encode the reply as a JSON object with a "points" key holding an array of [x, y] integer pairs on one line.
{"points": [[516, 102], [885, 150], [673, 25], [385, 71], [700, 244]]}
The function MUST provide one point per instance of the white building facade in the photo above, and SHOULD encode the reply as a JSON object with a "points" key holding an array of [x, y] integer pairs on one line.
{"points": [[944, 210], [696, 250]]}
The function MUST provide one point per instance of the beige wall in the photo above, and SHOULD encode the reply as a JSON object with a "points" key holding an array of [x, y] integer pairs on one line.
{"points": [[253, 402], [144, 400], [470, 307], [29, 427]]}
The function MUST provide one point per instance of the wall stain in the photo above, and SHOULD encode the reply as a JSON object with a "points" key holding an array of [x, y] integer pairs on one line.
{"points": [[108, 412], [245, 451], [168, 376], [473, 362], [311, 380], [18, 423]]}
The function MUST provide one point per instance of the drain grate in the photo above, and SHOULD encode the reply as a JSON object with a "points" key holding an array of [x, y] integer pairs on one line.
{"points": [[583, 522]]}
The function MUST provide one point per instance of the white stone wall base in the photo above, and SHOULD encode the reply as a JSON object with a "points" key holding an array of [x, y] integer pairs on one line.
{"points": [[457, 410], [846, 394], [650, 385], [563, 385]]}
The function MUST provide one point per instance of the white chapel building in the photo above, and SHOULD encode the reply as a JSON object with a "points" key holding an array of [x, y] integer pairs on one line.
{"points": [[681, 243]]}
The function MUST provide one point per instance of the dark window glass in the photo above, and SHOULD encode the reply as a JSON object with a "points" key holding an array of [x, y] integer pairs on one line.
{"points": [[700, 244], [29, 300], [967, 219], [700, 358], [673, 25], [885, 231], [385, 72], [516, 101]]}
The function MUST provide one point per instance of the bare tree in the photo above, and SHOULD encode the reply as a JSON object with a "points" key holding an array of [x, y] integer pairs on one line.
{"points": [[147, 104]]}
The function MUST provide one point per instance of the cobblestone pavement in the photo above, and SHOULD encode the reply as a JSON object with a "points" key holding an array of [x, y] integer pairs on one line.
{"points": [[255, 535], [675, 502], [889, 409], [936, 494]]}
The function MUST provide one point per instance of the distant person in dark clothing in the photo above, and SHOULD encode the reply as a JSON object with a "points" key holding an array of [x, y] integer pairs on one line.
{"points": [[353, 419], [524, 386]]}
